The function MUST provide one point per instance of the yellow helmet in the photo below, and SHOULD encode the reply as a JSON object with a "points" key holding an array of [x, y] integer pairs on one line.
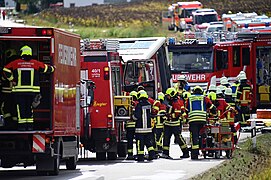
{"points": [[26, 50], [212, 96], [161, 96], [142, 94], [10, 52], [199, 89], [171, 92], [133, 93], [228, 91], [186, 95]]}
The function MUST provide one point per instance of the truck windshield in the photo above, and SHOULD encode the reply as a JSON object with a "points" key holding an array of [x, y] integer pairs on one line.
{"points": [[186, 13], [191, 61], [199, 19]]}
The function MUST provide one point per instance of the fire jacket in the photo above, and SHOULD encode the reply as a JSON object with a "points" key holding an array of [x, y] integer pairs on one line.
{"points": [[244, 94], [222, 106], [159, 109], [231, 114], [234, 88], [131, 123], [197, 106], [142, 117], [174, 112], [25, 74]]}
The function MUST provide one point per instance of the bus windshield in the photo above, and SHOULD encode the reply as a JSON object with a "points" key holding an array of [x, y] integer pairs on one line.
{"points": [[200, 19], [191, 61]]}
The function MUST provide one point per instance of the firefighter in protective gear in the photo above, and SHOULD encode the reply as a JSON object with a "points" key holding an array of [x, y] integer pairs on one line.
{"points": [[175, 111], [244, 96], [231, 115], [130, 129], [197, 106], [222, 88], [224, 81], [221, 105], [182, 86], [159, 109], [143, 130], [24, 74], [8, 108], [234, 87], [212, 92]]}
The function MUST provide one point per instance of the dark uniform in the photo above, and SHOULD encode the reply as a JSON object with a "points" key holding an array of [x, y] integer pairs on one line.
{"points": [[244, 94], [24, 73], [172, 124], [130, 129], [197, 106], [159, 109], [143, 131]]}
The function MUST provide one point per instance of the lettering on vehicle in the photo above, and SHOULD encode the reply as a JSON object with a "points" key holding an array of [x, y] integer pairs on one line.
{"points": [[190, 77], [67, 55], [96, 73], [99, 104]]}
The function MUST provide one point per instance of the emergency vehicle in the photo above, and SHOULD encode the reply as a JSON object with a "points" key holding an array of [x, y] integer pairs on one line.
{"points": [[202, 18], [240, 25], [180, 15], [146, 63], [101, 65], [56, 119], [249, 51]]}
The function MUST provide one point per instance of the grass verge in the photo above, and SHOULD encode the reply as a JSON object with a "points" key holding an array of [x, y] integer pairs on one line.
{"points": [[247, 162]]}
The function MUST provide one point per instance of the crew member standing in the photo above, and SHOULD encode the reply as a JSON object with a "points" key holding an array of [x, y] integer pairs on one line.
{"points": [[159, 109], [130, 129], [8, 108], [24, 74], [197, 105], [175, 110], [244, 95], [143, 130]]}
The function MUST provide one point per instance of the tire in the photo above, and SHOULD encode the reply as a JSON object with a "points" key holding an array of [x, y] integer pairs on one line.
{"points": [[100, 156], [71, 163], [122, 149], [111, 155]]}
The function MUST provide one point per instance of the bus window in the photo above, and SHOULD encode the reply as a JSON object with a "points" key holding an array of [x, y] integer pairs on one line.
{"points": [[236, 56], [221, 59], [245, 56]]}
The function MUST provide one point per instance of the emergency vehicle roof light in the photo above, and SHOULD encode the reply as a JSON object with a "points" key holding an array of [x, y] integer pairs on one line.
{"points": [[44, 32], [246, 25], [171, 40], [267, 24]]}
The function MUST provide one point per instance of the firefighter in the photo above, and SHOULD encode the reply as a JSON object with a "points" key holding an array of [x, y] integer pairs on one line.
{"points": [[244, 96], [234, 88], [139, 88], [175, 111], [231, 115], [224, 81], [159, 109], [130, 129], [212, 92], [24, 74], [181, 86], [221, 105], [143, 130], [197, 106], [8, 108]]}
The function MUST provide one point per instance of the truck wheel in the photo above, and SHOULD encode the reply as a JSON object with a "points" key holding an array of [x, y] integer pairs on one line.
{"points": [[122, 149], [71, 163], [111, 155], [101, 156]]}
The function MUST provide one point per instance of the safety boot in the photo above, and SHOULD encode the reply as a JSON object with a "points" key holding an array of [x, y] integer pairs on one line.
{"points": [[185, 154], [130, 157]]}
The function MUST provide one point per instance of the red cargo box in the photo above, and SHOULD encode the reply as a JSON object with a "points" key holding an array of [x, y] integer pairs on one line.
{"points": [[264, 113]]}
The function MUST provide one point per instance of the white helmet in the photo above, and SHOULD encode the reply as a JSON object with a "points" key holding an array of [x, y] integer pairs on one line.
{"points": [[181, 78], [228, 91], [243, 77], [224, 81], [212, 87], [242, 72], [220, 87], [218, 91]]}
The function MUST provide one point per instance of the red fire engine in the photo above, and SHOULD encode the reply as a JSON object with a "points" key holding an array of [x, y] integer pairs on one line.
{"points": [[102, 132], [56, 120], [249, 52]]}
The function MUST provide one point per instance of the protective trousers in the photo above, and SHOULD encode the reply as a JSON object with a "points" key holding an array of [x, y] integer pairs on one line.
{"points": [[142, 140], [245, 114], [130, 135], [168, 131], [159, 138], [233, 130], [8, 110], [24, 109], [194, 128]]}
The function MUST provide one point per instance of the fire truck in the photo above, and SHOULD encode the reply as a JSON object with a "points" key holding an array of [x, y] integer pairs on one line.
{"points": [[180, 15], [56, 119], [146, 63], [248, 51], [103, 130]]}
